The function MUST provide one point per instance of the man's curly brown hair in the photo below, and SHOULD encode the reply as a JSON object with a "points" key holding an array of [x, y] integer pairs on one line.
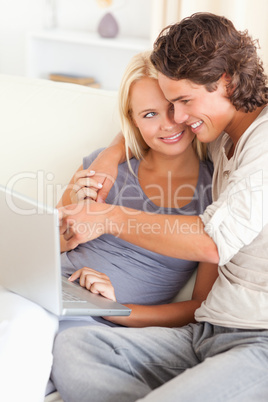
{"points": [[203, 47]]}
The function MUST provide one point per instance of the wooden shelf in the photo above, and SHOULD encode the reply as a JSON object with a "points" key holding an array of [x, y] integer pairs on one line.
{"points": [[91, 38], [81, 53]]}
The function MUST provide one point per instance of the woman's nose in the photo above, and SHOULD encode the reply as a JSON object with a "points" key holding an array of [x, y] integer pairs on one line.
{"points": [[168, 122]]}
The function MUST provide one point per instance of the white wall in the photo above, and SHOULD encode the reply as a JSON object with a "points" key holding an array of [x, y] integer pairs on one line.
{"points": [[17, 17], [135, 17]]}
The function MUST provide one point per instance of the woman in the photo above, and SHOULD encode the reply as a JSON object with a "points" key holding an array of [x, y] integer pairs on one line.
{"points": [[166, 176]]}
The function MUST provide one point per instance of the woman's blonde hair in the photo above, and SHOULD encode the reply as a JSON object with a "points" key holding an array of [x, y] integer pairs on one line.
{"points": [[140, 67]]}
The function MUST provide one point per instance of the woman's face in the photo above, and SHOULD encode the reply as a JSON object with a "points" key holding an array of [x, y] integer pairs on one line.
{"points": [[154, 116]]}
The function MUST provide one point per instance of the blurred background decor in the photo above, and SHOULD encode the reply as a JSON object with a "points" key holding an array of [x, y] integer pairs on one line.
{"points": [[50, 14], [74, 46], [108, 26]]}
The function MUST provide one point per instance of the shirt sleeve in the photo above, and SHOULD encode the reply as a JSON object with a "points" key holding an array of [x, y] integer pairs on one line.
{"points": [[238, 216], [87, 160]]}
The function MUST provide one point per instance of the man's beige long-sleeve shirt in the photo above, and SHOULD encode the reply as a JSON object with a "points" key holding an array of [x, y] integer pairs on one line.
{"points": [[238, 223]]}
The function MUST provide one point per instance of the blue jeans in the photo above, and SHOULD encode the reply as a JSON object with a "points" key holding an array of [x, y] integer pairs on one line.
{"points": [[199, 362]]}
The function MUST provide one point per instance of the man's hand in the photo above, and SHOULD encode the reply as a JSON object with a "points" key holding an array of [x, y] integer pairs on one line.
{"points": [[96, 282], [84, 221]]}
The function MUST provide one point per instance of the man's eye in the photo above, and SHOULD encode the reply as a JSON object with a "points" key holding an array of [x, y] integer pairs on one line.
{"points": [[185, 101], [150, 114]]}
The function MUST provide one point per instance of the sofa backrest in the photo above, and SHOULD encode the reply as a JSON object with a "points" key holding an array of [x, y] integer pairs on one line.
{"points": [[46, 128]]}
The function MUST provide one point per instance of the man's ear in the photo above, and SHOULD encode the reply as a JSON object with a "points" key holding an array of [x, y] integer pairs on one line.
{"points": [[226, 77], [227, 82]]}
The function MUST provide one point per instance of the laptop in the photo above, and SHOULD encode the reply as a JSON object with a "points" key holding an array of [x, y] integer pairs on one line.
{"points": [[30, 262]]}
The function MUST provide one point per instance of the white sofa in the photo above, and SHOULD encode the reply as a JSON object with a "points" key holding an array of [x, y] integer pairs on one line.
{"points": [[46, 129]]}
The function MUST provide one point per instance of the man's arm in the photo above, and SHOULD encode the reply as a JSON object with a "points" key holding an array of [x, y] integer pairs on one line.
{"points": [[176, 236]]}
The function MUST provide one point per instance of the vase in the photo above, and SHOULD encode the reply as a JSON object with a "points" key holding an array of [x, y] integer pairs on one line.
{"points": [[108, 26]]}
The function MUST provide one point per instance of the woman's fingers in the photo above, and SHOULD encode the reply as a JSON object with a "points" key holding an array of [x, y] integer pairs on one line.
{"points": [[84, 193], [95, 281], [103, 288], [84, 186], [87, 182]]}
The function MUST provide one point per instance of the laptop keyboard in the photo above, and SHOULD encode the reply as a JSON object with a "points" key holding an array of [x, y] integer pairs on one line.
{"points": [[69, 297]]}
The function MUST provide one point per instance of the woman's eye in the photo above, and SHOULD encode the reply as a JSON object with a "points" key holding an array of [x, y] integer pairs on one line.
{"points": [[150, 114]]}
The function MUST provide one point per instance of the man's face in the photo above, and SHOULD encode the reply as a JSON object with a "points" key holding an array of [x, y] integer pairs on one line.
{"points": [[207, 114]]}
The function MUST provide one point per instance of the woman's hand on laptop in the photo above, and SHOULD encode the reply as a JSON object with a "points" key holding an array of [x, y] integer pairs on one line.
{"points": [[96, 282]]}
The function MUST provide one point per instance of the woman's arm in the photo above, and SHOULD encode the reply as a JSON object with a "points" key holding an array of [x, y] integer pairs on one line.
{"points": [[173, 314], [102, 173], [106, 165], [166, 315]]}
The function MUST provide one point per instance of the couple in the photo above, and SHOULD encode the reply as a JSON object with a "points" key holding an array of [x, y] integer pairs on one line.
{"points": [[212, 76], [168, 175]]}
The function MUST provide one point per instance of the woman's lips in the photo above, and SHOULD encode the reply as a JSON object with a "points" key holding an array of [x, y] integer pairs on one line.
{"points": [[173, 138]]}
